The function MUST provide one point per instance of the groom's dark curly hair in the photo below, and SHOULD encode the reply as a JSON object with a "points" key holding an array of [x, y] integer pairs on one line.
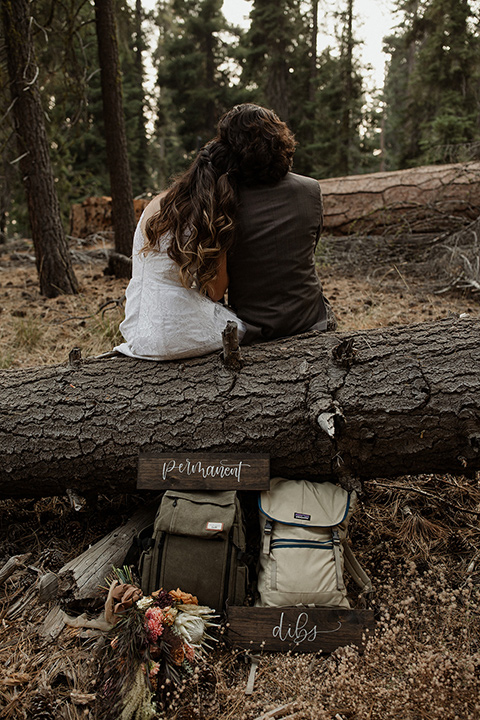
{"points": [[252, 146]]}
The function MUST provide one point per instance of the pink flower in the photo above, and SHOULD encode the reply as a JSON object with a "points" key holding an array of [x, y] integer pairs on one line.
{"points": [[154, 623]]}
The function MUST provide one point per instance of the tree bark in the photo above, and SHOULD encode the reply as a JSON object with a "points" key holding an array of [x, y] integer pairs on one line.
{"points": [[432, 198], [115, 133], [53, 260], [377, 403]]}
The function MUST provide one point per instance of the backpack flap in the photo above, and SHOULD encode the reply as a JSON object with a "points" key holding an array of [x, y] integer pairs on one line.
{"points": [[307, 504], [197, 514]]}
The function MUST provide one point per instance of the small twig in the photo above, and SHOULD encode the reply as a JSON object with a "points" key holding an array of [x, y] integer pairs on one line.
{"points": [[117, 303], [402, 278], [278, 712], [75, 357]]}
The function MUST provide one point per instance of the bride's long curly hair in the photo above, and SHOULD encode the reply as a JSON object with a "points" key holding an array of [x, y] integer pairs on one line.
{"points": [[198, 212]]}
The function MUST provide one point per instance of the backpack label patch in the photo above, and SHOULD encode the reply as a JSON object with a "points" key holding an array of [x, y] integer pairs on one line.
{"points": [[302, 516], [215, 526]]}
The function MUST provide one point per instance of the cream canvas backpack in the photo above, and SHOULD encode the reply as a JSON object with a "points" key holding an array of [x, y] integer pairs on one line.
{"points": [[304, 550]]}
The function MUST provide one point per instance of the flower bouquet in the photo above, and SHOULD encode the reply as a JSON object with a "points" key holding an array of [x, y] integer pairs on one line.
{"points": [[154, 644]]}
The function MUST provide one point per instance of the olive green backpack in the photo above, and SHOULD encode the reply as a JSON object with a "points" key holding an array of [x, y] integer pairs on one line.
{"points": [[197, 544]]}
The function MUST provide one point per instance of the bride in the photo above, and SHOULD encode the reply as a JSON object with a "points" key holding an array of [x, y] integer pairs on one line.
{"points": [[179, 268], [237, 201]]}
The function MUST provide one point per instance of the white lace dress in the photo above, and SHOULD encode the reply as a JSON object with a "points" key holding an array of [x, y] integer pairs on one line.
{"points": [[163, 319]]}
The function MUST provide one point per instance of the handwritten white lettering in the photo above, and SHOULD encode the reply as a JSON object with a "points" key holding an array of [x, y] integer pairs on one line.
{"points": [[223, 469], [299, 631]]}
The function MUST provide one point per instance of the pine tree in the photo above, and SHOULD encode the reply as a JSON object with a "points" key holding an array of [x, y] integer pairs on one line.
{"points": [[338, 137], [432, 86], [194, 64], [112, 95], [278, 29], [65, 43]]}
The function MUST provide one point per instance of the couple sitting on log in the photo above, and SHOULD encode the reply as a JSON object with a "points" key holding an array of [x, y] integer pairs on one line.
{"points": [[237, 219]]}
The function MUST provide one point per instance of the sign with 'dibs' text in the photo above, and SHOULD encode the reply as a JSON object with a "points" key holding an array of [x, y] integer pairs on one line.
{"points": [[203, 471]]}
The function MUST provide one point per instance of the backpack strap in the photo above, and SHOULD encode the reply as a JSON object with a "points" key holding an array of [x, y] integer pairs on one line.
{"points": [[338, 559], [356, 571]]}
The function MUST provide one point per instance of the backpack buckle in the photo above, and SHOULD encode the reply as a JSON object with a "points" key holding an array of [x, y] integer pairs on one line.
{"points": [[267, 536]]}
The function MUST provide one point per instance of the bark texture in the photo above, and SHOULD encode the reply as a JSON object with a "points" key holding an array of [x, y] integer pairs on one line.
{"points": [[424, 199], [373, 403], [53, 260], [115, 133]]}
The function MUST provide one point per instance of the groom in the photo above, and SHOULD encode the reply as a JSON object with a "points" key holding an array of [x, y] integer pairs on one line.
{"points": [[273, 284]]}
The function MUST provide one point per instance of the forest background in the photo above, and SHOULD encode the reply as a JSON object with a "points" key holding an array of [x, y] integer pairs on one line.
{"points": [[427, 111]]}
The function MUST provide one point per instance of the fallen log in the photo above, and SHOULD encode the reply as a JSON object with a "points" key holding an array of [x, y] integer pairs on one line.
{"points": [[79, 581], [385, 402], [431, 198]]}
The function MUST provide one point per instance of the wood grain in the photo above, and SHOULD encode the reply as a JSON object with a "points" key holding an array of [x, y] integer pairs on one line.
{"points": [[203, 471], [297, 629]]}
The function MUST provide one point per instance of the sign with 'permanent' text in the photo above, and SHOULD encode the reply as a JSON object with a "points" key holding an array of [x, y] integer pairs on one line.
{"points": [[203, 471]]}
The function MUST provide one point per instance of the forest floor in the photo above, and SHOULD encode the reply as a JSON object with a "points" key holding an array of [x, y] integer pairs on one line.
{"points": [[419, 538]]}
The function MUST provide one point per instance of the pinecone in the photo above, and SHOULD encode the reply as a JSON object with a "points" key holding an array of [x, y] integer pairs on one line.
{"points": [[41, 706], [52, 559], [457, 543]]}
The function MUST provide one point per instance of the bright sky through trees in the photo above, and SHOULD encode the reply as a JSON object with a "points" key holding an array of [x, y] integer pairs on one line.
{"points": [[374, 20]]}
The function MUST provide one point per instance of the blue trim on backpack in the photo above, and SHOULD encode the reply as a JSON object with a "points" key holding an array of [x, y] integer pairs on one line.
{"points": [[305, 525], [299, 544]]}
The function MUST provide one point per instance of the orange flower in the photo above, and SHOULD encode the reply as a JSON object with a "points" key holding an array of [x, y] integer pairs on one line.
{"points": [[184, 598], [178, 655]]}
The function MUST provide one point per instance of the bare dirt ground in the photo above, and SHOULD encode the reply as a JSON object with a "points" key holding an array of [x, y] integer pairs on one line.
{"points": [[419, 538]]}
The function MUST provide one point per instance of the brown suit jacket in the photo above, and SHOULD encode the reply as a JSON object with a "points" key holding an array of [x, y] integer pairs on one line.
{"points": [[273, 284]]}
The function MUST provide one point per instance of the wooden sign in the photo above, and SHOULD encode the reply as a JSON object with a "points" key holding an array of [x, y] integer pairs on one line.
{"points": [[298, 629], [203, 471]]}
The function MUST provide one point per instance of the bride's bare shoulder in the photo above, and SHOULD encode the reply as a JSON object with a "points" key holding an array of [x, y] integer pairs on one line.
{"points": [[152, 208]]}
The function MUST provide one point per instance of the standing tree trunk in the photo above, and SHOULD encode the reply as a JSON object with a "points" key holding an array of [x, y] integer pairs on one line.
{"points": [[140, 166], [346, 123], [51, 251], [115, 134], [312, 87]]}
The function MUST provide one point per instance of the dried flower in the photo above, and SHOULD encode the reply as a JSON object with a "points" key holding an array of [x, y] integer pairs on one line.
{"points": [[169, 615], [144, 602], [154, 623], [183, 597], [162, 598], [189, 652], [178, 655], [190, 627]]}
